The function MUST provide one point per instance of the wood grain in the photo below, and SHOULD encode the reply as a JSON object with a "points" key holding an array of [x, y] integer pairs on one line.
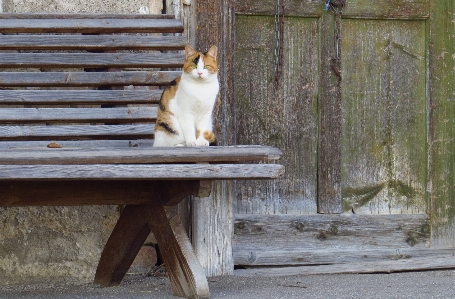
{"points": [[79, 192], [65, 16], [140, 172], [91, 42], [399, 261], [388, 9], [363, 9], [123, 245], [77, 115], [329, 148], [91, 60], [384, 144], [265, 115], [212, 229], [79, 97], [82, 143], [314, 237], [187, 277], [133, 228], [293, 8], [72, 193], [76, 79], [89, 25], [441, 125], [69, 132], [107, 155]]}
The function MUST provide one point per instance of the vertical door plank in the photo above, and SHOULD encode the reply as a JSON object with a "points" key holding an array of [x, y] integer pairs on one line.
{"points": [[285, 118], [329, 152], [384, 152], [442, 122]]}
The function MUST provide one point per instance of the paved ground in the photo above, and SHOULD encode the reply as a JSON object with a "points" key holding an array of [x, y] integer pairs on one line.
{"points": [[415, 285]]}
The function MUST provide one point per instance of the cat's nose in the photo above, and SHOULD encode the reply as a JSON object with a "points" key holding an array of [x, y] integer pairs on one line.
{"points": [[199, 73]]}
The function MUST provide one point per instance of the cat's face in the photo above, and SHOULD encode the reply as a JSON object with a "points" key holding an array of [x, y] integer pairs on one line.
{"points": [[201, 66]]}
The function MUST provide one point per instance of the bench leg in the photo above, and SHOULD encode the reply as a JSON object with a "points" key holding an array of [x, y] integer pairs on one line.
{"points": [[186, 274], [127, 238]]}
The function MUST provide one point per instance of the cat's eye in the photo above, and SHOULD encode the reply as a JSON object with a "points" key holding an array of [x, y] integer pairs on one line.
{"points": [[206, 66]]}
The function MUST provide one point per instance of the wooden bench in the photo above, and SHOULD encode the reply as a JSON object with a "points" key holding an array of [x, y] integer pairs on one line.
{"points": [[78, 97]]}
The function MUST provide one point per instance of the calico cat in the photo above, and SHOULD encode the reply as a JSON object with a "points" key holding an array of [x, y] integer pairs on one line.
{"points": [[186, 105]]}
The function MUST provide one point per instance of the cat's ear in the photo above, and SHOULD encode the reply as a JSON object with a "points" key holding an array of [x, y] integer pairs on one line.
{"points": [[212, 52], [189, 51]]}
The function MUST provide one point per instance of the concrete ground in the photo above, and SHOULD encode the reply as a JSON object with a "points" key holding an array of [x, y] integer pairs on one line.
{"points": [[415, 285]]}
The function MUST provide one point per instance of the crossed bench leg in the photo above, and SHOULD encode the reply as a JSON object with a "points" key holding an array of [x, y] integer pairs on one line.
{"points": [[186, 274]]}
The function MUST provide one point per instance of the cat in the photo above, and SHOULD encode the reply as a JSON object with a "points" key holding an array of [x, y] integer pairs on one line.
{"points": [[186, 105]]}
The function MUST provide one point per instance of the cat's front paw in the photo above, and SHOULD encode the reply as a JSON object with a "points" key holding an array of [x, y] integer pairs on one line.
{"points": [[202, 142], [191, 143]]}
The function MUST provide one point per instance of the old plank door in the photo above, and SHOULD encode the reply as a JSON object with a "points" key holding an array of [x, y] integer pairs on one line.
{"points": [[349, 106]]}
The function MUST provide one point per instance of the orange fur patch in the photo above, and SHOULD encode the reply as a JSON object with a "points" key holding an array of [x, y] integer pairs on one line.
{"points": [[163, 122]]}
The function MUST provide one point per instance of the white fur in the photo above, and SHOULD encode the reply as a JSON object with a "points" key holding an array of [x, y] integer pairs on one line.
{"points": [[192, 108]]}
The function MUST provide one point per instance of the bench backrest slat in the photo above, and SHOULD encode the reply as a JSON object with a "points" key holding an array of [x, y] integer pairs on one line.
{"points": [[90, 60], [70, 77], [85, 97], [86, 79], [91, 42], [83, 16], [91, 26], [77, 115], [83, 132]]}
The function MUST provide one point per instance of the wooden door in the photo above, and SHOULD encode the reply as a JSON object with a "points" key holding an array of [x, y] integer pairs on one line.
{"points": [[352, 107]]}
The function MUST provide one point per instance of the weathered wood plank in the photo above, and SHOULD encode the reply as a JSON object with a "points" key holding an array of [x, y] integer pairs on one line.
{"points": [[388, 9], [187, 277], [66, 16], [329, 149], [140, 172], [379, 9], [212, 216], [89, 25], [72, 193], [124, 243], [442, 122], [332, 256], [45, 155], [92, 60], [87, 97], [132, 229], [91, 42], [84, 143], [77, 115], [305, 8], [406, 260], [266, 115], [323, 233], [384, 122], [67, 79], [76, 132]]}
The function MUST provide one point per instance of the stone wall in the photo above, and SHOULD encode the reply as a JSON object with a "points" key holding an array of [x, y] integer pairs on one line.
{"points": [[61, 243]]}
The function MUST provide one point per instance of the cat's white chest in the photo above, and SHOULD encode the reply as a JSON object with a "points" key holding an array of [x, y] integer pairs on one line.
{"points": [[197, 97]]}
